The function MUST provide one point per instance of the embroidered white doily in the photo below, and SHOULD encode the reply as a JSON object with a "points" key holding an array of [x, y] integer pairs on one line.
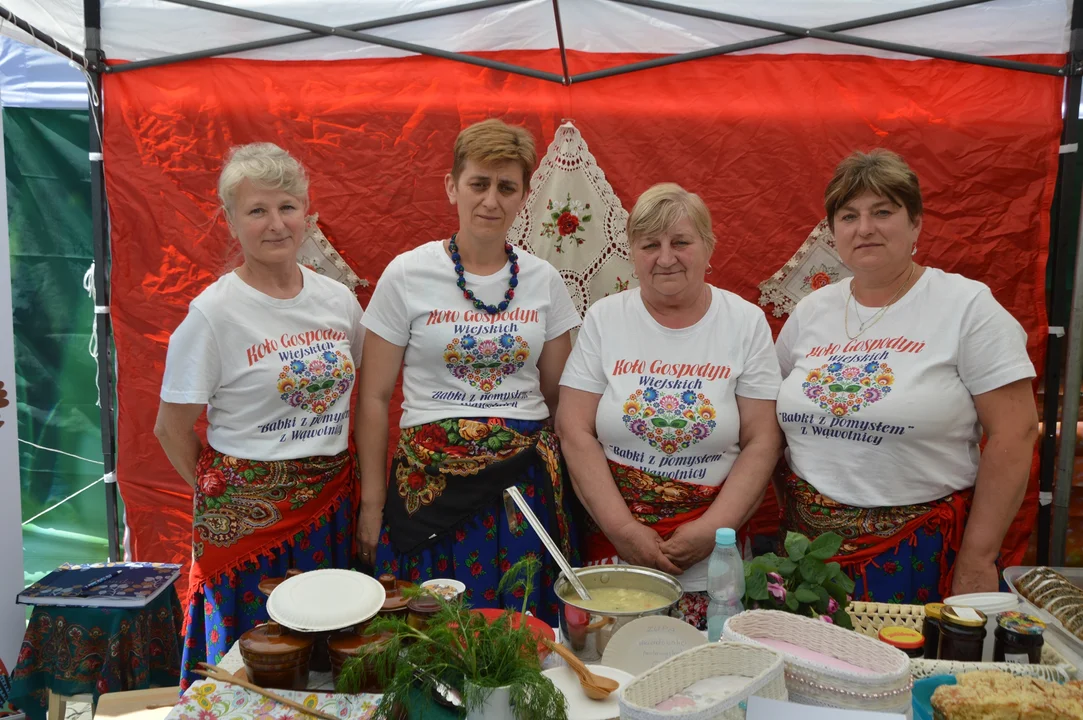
{"points": [[573, 219], [815, 264], [317, 254]]}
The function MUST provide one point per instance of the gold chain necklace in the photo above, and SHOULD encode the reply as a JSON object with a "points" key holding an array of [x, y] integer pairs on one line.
{"points": [[879, 313]]}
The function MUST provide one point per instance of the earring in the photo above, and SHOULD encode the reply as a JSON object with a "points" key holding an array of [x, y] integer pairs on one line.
{"points": [[914, 251], [709, 269], [634, 276]]}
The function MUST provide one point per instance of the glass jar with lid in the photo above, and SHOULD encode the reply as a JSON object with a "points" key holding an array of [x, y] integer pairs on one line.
{"points": [[1018, 638], [962, 633], [930, 629]]}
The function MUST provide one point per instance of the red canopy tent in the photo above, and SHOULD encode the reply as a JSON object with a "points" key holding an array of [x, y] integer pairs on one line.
{"points": [[971, 95]]}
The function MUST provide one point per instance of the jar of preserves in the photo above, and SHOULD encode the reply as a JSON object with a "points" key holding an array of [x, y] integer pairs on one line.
{"points": [[930, 629], [1018, 638], [909, 640], [962, 633]]}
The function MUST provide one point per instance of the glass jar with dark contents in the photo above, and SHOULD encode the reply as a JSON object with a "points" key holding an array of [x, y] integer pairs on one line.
{"points": [[1018, 638], [930, 629], [962, 634]]}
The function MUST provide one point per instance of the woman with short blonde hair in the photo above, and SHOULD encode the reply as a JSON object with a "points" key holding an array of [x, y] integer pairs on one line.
{"points": [[269, 350]]}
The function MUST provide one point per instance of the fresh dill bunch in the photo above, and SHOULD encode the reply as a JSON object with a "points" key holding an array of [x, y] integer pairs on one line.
{"points": [[463, 650]]}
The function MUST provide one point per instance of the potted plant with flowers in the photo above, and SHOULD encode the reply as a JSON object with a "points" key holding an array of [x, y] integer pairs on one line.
{"points": [[802, 582], [494, 666]]}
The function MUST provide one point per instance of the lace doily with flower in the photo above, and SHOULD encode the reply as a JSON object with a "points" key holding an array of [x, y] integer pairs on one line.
{"points": [[815, 264], [573, 219]]}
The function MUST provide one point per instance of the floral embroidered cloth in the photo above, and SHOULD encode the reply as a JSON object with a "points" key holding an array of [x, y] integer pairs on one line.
{"points": [[244, 508], [211, 700], [470, 536], [573, 219], [78, 651], [815, 264], [894, 554], [659, 502], [444, 471]]}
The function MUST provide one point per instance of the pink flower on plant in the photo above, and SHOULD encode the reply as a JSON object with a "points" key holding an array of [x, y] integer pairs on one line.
{"points": [[832, 606], [776, 578], [777, 591], [827, 619]]}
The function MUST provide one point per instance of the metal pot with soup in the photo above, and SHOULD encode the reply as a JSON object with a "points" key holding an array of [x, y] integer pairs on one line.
{"points": [[619, 594]]}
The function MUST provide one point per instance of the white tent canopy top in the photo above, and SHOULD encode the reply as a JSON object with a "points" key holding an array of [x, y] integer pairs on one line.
{"points": [[136, 30]]}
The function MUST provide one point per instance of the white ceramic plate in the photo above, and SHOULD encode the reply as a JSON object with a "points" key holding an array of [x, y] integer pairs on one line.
{"points": [[321, 600], [580, 706]]}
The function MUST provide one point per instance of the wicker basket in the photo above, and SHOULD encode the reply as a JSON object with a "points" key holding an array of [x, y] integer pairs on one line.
{"points": [[885, 689], [762, 666], [869, 617]]}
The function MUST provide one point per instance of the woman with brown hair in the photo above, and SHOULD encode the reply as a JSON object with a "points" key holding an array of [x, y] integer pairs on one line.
{"points": [[480, 331], [890, 380]]}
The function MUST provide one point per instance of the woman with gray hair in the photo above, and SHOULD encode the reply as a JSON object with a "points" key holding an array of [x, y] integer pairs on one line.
{"points": [[270, 350], [667, 403]]}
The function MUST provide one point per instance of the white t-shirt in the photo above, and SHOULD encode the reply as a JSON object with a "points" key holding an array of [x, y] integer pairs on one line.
{"points": [[461, 361], [888, 419], [255, 360], [669, 397]]}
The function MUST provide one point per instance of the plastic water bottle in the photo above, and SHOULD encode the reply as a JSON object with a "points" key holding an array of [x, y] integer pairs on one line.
{"points": [[725, 582]]}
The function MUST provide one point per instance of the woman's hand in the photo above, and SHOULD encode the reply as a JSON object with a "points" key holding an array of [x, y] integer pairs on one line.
{"points": [[689, 544], [370, 523], [974, 577], [637, 544]]}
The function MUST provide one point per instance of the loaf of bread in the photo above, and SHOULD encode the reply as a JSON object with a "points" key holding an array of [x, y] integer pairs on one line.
{"points": [[995, 695], [1054, 593]]}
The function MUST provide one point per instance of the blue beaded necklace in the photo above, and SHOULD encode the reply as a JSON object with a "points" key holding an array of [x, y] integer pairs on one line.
{"points": [[469, 294]]}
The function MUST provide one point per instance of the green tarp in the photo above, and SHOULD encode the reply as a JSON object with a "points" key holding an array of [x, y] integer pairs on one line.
{"points": [[48, 192]]}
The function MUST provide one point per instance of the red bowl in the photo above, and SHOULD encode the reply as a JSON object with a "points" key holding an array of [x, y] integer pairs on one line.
{"points": [[540, 630]]}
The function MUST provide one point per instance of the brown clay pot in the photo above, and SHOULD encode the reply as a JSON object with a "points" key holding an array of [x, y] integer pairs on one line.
{"points": [[276, 657], [395, 602], [421, 609], [344, 645], [267, 585]]}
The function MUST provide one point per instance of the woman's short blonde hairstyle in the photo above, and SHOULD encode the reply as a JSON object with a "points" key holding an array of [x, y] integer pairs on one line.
{"points": [[661, 207], [265, 165], [881, 172], [494, 141]]}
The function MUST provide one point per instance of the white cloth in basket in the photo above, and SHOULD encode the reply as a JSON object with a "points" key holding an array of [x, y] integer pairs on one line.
{"points": [[886, 689]]}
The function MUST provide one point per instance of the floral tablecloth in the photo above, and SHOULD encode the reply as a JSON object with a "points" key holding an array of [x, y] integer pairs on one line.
{"points": [[92, 651], [211, 700]]}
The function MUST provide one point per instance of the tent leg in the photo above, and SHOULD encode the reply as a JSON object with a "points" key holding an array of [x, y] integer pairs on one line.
{"points": [[1061, 253], [102, 323], [1073, 378]]}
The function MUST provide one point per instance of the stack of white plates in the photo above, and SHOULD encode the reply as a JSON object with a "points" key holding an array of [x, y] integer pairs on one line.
{"points": [[323, 600]]}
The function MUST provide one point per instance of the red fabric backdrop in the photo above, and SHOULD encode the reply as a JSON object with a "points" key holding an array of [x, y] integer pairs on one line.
{"points": [[756, 136]]}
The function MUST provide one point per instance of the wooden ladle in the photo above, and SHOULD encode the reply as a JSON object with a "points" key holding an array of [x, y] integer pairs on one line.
{"points": [[596, 687]]}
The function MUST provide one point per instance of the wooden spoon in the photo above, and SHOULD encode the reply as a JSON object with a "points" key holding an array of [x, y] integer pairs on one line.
{"points": [[596, 687]]}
